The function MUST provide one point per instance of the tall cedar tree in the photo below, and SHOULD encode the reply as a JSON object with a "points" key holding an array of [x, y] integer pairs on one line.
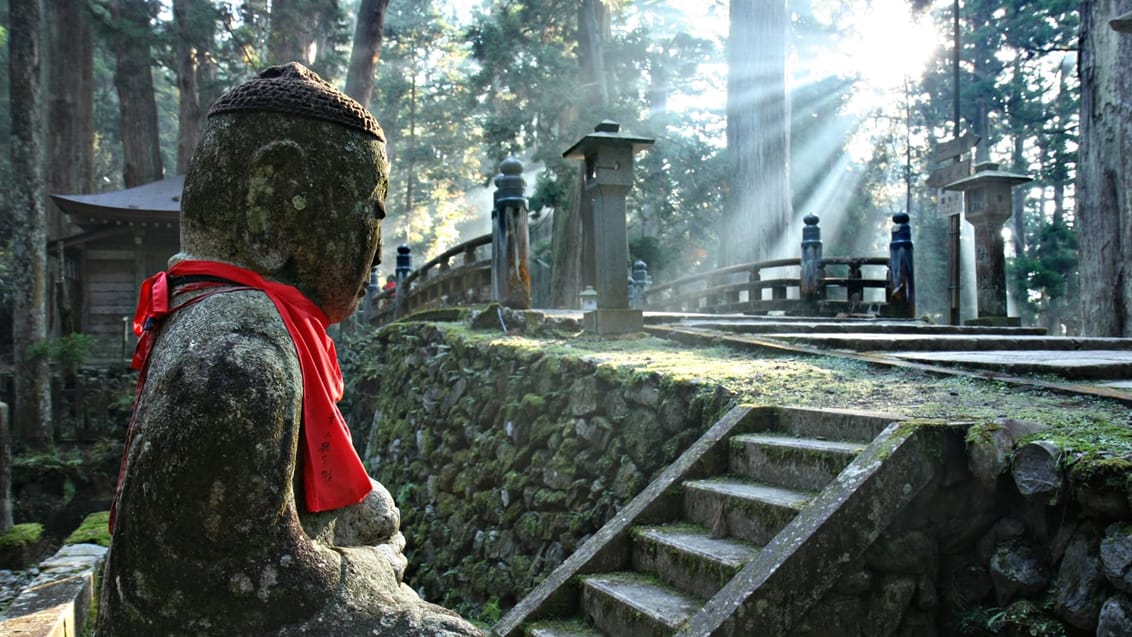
{"points": [[131, 38], [32, 421], [567, 267], [1104, 175], [758, 130], [366, 51]]}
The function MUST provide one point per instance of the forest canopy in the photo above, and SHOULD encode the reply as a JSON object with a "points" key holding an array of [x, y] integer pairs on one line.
{"points": [[458, 87]]}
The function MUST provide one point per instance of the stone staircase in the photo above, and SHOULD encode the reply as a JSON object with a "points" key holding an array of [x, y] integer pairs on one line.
{"points": [[690, 554]]}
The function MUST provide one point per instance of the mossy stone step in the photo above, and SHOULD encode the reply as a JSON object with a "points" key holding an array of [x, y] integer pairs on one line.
{"points": [[750, 511], [832, 424], [686, 557], [559, 628], [790, 461], [634, 605]]}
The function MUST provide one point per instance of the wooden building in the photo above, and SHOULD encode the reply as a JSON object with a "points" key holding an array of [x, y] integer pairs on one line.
{"points": [[117, 239]]}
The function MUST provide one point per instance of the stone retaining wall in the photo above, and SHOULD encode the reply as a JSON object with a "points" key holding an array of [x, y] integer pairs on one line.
{"points": [[503, 459]]}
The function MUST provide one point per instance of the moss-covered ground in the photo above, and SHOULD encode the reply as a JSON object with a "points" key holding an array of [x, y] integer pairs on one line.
{"points": [[1096, 432], [827, 381]]}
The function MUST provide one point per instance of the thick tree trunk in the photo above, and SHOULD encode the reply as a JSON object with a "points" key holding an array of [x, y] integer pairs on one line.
{"points": [[366, 50], [292, 33], [70, 142], [567, 250], [137, 105], [566, 269], [29, 233], [5, 470], [591, 54], [1104, 173], [191, 46], [758, 133]]}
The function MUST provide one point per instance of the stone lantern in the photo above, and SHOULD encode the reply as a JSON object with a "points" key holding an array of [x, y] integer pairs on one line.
{"points": [[608, 156], [987, 206]]}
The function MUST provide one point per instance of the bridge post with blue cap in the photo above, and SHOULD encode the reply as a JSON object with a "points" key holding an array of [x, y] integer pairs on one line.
{"points": [[608, 176]]}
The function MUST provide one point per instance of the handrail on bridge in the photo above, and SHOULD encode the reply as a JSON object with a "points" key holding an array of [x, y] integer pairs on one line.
{"points": [[750, 289], [810, 285], [813, 285], [437, 283]]}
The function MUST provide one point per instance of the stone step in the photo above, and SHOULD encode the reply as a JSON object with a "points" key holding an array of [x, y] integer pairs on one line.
{"points": [[752, 512], [686, 558], [885, 342], [634, 605], [789, 461], [828, 424], [562, 628]]}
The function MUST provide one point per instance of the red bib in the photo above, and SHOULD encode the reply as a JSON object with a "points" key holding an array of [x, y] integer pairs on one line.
{"points": [[333, 474]]}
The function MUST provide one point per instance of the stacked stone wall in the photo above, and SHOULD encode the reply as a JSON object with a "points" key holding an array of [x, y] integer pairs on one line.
{"points": [[504, 458]]}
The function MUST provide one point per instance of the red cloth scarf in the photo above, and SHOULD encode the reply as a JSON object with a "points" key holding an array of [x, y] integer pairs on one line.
{"points": [[333, 475]]}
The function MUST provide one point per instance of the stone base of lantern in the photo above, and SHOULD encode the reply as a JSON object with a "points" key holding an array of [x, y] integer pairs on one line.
{"points": [[607, 322], [995, 321]]}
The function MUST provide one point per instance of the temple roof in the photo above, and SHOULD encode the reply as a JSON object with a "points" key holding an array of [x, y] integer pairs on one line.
{"points": [[158, 202]]}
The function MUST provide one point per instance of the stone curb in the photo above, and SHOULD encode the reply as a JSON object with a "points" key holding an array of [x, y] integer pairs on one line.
{"points": [[57, 602]]}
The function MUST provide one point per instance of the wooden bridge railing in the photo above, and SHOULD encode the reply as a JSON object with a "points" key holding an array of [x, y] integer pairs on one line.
{"points": [[846, 285], [459, 276], [808, 285]]}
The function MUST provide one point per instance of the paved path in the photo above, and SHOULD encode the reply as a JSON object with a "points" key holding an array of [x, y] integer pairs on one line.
{"points": [[1099, 366]]}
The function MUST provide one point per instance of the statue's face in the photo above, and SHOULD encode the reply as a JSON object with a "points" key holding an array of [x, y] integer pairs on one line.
{"points": [[335, 244]]}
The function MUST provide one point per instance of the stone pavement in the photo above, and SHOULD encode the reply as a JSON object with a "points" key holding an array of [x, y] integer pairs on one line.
{"points": [[1100, 366]]}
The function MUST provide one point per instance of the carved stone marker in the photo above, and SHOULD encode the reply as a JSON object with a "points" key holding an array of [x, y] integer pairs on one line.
{"points": [[235, 441]]}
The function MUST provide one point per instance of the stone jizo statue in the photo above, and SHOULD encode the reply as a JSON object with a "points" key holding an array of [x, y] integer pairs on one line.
{"points": [[242, 508]]}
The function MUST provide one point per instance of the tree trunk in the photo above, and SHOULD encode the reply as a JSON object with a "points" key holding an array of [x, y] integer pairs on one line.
{"points": [[366, 50], [591, 54], [567, 251], [758, 133], [29, 233], [137, 105], [292, 33], [1104, 173], [70, 142], [193, 31], [5, 470]]}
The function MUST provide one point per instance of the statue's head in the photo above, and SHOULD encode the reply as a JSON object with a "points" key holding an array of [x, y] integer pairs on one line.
{"points": [[289, 180]]}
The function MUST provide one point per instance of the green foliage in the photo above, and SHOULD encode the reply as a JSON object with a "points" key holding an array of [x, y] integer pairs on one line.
{"points": [[68, 350], [95, 529], [21, 535]]}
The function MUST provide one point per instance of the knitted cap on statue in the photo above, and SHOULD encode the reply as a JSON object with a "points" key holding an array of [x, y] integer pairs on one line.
{"points": [[242, 508]]}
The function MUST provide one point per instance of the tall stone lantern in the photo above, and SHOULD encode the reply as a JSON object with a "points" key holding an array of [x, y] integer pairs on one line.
{"points": [[608, 156], [987, 206]]}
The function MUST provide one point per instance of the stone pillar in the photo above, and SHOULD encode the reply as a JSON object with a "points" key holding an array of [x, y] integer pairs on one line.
{"points": [[901, 273], [810, 284], [638, 283], [608, 156], [988, 205], [404, 263], [510, 238]]}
